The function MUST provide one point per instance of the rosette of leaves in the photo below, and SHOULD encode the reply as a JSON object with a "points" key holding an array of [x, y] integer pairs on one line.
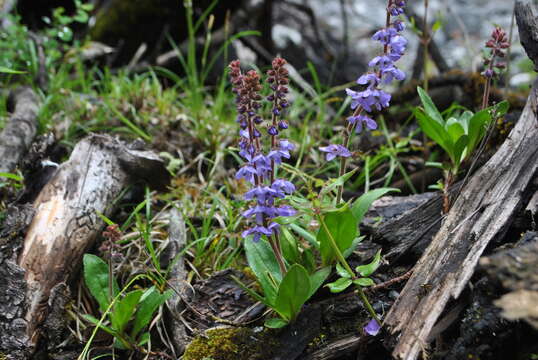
{"points": [[127, 315], [285, 294], [458, 135]]}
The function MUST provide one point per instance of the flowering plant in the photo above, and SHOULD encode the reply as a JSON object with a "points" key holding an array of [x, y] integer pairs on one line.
{"points": [[460, 134], [285, 289]]}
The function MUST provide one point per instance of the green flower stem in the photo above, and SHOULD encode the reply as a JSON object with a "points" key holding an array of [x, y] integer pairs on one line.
{"points": [[345, 264]]}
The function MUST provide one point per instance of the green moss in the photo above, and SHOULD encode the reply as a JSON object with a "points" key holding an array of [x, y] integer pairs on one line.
{"points": [[3, 356], [231, 344]]}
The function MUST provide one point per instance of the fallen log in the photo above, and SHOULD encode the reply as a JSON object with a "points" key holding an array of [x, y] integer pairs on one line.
{"points": [[483, 211], [20, 129], [67, 221]]}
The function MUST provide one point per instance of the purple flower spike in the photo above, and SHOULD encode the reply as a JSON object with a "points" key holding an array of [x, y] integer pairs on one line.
{"points": [[372, 328], [334, 150]]}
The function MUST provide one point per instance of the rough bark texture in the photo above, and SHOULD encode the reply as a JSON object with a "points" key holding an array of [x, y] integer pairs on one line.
{"points": [[414, 229], [66, 221], [528, 30], [20, 129], [483, 211]]}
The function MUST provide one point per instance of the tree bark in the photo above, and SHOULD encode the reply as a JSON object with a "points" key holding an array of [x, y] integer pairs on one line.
{"points": [[482, 212]]}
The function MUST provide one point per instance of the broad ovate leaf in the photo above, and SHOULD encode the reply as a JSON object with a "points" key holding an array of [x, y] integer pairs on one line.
{"points": [[293, 292], [96, 277]]}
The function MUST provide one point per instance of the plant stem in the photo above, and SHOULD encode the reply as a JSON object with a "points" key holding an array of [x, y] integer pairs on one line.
{"points": [[345, 264], [275, 245]]}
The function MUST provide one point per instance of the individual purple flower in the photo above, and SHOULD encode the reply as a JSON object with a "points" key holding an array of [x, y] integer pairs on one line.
{"points": [[247, 172], [334, 150], [398, 45], [261, 194], [384, 35], [372, 328], [391, 73], [257, 231], [282, 185], [372, 98], [369, 78], [382, 61], [359, 120]]}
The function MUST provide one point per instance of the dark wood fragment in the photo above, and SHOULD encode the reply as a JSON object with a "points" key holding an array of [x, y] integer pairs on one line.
{"points": [[483, 211]]}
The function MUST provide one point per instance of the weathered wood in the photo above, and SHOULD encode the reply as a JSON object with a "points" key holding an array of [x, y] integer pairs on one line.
{"points": [[20, 129], [66, 222], [482, 212], [177, 235], [528, 30], [413, 230]]}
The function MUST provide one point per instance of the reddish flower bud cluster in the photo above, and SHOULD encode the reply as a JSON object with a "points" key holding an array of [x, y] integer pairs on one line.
{"points": [[278, 78], [247, 89], [110, 247], [498, 43]]}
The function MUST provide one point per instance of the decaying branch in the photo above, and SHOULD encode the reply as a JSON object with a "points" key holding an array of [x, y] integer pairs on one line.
{"points": [[482, 212], [20, 129], [66, 220]]}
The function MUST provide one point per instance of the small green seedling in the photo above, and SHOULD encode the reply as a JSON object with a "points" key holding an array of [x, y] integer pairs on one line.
{"points": [[130, 315], [459, 135]]}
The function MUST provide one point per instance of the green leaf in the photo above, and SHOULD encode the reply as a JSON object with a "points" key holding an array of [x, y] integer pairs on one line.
{"points": [[454, 129], [144, 339], [369, 269], [124, 309], [95, 321], [363, 282], [429, 106], [342, 226], [293, 292], [149, 303], [317, 279], [334, 183], [434, 131], [436, 25], [308, 236], [5, 70], [459, 148], [502, 108], [96, 278], [11, 176], [353, 246], [275, 323], [339, 285], [262, 261], [290, 249], [477, 129], [342, 272], [362, 204]]}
